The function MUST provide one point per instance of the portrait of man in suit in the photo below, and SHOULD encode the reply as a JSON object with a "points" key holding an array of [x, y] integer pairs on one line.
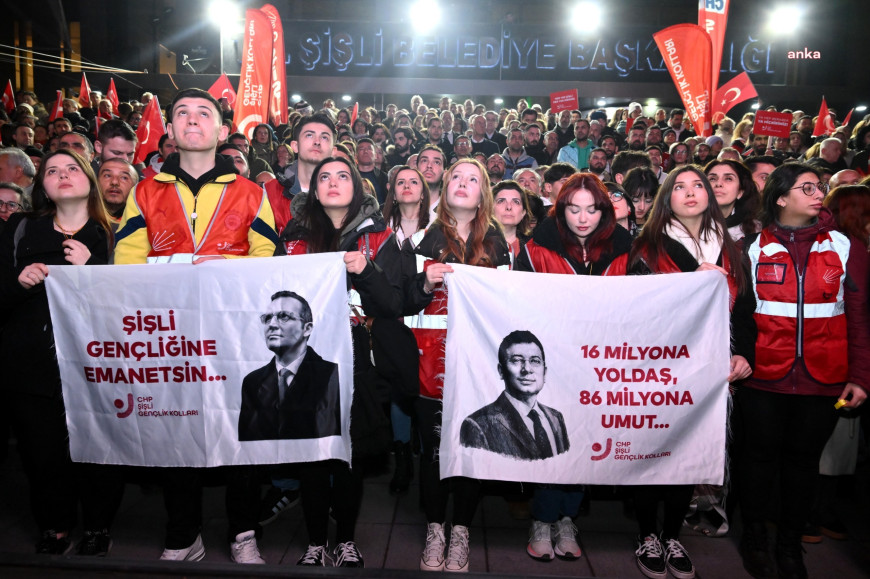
{"points": [[516, 424], [295, 395]]}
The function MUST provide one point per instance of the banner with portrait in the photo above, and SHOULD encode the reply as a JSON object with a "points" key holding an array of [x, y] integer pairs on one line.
{"points": [[577, 379], [244, 361]]}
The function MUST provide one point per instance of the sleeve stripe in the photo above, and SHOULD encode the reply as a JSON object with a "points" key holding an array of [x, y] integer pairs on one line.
{"points": [[260, 226], [133, 225]]}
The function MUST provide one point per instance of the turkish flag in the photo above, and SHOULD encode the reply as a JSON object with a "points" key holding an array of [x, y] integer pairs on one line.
{"points": [[85, 93], [354, 114], [255, 77], [687, 52], [151, 128], [112, 95], [57, 109], [713, 17], [733, 92], [222, 88], [824, 124], [847, 119], [9, 98], [278, 87]]}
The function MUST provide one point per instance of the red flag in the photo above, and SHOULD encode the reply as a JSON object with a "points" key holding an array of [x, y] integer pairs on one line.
{"points": [[278, 89], [9, 98], [57, 110], [151, 128], [733, 92], [253, 104], [687, 52], [85, 93], [824, 124], [713, 17], [98, 124], [847, 119], [112, 95], [354, 114], [222, 88]]}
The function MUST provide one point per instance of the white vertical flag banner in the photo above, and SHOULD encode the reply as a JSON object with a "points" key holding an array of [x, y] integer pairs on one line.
{"points": [[244, 361], [578, 379]]}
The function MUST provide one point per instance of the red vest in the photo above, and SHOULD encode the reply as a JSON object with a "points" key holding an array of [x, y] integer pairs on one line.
{"points": [[800, 317], [545, 260], [226, 230]]}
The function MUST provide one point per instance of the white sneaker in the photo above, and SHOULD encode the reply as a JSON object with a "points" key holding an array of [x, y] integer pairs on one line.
{"points": [[457, 552], [566, 539], [195, 552], [540, 541], [432, 558], [244, 549]]}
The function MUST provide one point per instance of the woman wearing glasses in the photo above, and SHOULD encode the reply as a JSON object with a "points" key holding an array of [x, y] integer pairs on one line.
{"points": [[10, 201], [337, 215], [808, 356]]}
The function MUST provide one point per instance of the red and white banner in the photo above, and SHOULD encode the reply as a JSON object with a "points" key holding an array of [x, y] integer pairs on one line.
{"points": [[566, 100], [824, 123], [112, 95], [713, 17], [737, 90], [222, 88], [57, 109], [8, 98], [687, 53], [848, 118], [172, 372], [618, 402], [252, 104], [151, 128], [85, 93], [772, 123], [278, 89]]}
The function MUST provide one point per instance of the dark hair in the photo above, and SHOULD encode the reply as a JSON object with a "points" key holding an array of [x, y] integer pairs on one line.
{"points": [[365, 140], [409, 134], [116, 128], [366, 126], [524, 227], [392, 215], [193, 93], [238, 136], [632, 216], [322, 235], [650, 244], [599, 241], [641, 181], [778, 184], [675, 112], [518, 337], [537, 208], [850, 205], [431, 147], [751, 162], [624, 161], [305, 314], [319, 118], [558, 171], [747, 206]]}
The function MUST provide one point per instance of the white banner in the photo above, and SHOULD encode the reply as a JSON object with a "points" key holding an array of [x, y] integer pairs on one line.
{"points": [[178, 365], [626, 377]]}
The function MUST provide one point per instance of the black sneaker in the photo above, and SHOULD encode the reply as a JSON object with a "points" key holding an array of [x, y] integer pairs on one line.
{"points": [[315, 556], [51, 544], [95, 544], [677, 560], [650, 559], [347, 555], [755, 551], [276, 502], [790, 558]]}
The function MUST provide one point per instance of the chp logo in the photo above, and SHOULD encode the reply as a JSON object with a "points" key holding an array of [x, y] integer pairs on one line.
{"points": [[119, 404]]}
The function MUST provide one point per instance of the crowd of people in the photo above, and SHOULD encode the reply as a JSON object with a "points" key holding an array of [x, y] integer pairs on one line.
{"points": [[405, 193]]}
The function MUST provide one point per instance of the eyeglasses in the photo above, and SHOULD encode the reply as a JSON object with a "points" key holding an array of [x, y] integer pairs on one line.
{"points": [[810, 188], [282, 317], [12, 205], [616, 196]]}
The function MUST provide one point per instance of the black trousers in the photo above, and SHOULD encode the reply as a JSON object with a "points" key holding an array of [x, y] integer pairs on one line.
{"points": [[785, 434], [330, 484], [435, 492], [676, 499]]}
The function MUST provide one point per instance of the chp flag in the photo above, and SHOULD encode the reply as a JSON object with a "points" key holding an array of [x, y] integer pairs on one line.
{"points": [[252, 104], [153, 375], [687, 52], [626, 403], [278, 87]]}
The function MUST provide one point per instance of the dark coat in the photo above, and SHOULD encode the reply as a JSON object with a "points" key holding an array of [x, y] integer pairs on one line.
{"points": [[310, 408], [498, 427]]}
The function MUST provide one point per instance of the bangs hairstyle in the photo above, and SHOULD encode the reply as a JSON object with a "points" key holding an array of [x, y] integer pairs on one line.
{"points": [[392, 215], [524, 227], [599, 241], [650, 244], [850, 205], [778, 184], [42, 205], [477, 249], [747, 207], [322, 235]]}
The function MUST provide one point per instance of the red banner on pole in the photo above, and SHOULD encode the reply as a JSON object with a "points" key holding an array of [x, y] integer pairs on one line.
{"points": [[253, 105], [733, 92], [772, 123], [687, 52], [112, 95], [85, 93], [151, 128], [565, 100], [222, 88], [713, 17], [8, 98], [278, 89], [57, 109]]}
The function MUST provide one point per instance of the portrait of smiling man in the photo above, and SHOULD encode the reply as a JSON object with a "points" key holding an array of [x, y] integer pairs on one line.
{"points": [[295, 395], [516, 424]]}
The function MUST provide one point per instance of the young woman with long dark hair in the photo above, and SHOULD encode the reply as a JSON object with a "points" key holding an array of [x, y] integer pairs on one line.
{"points": [[69, 225], [511, 209], [337, 215], [685, 232], [736, 195], [464, 232], [811, 351]]}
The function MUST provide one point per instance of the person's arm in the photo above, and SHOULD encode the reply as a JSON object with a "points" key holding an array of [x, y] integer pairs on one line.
{"points": [[857, 300], [262, 237], [132, 244], [380, 283], [11, 292]]}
